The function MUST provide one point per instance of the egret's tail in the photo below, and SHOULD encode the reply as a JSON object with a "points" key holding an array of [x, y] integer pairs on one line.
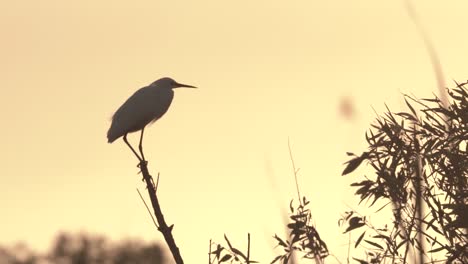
{"points": [[112, 136]]}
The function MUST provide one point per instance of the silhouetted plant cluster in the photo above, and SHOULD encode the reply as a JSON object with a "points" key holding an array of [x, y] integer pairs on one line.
{"points": [[303, 236], [229, 254], [421, 168], [86, 249]]}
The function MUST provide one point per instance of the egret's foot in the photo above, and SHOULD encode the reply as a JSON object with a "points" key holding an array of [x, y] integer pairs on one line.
{"points": [[142, 163], [142, 177]]}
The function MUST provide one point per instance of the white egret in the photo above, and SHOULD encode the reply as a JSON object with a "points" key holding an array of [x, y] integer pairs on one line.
{"points": [[145, 106]]}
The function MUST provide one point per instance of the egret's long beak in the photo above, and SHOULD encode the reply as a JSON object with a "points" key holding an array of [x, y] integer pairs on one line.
{"points": [[180, 85]]}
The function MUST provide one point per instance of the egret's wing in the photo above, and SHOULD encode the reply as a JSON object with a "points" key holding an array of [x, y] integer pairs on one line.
{"points": [[145, 105], [135, 112]]}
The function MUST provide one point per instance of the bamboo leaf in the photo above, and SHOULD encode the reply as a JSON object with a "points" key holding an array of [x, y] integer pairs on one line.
{"points": [[359, 239], [411, 108], [225, 258], [280, 241], [276, 259], [238, 252], [374, 244], [354, 163], [436, 250], [361, 261]]}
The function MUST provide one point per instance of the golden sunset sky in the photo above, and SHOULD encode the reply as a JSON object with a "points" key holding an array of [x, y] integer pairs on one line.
{"points": [[266, 71]]}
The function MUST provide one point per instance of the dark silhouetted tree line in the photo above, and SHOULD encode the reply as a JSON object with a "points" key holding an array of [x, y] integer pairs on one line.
{"points": [[86, 249]]}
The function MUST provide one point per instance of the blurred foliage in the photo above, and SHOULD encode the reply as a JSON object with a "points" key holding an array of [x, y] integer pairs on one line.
{"points": [[420, 159], [86, 249]]}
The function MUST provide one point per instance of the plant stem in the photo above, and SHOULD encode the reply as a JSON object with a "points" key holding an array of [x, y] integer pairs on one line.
{"points": [[163, 228], [419, 198]]}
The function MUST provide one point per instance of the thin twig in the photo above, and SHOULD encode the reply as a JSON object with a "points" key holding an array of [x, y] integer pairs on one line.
{"points": [[248, 248], [209, 253], [157, 182], [349, 246], [147, 208], [433, 56], [295, 172]]}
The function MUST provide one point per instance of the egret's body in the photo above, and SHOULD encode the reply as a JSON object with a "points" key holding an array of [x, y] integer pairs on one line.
{"points": [[145, 106]]}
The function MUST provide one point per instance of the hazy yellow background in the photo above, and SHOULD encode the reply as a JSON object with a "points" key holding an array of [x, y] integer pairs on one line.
{"points": [[267, 70]]}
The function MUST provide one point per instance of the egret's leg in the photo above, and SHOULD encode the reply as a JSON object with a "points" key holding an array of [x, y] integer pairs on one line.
{"points": [[140, 147], [130, 146]]}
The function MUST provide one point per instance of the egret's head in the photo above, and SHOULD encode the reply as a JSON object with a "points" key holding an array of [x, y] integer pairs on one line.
{"points": [[169, 83]]}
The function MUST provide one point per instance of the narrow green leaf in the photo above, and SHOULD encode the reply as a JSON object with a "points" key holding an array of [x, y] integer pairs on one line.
{"points": [[374, 244], [407, 116], [359, 239], [353, 164], [385, 205], [280, 241], [436, 100], [361, 261], [225, 258], [276, 259], [436, 250], [238, 252], [411, 108]]}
